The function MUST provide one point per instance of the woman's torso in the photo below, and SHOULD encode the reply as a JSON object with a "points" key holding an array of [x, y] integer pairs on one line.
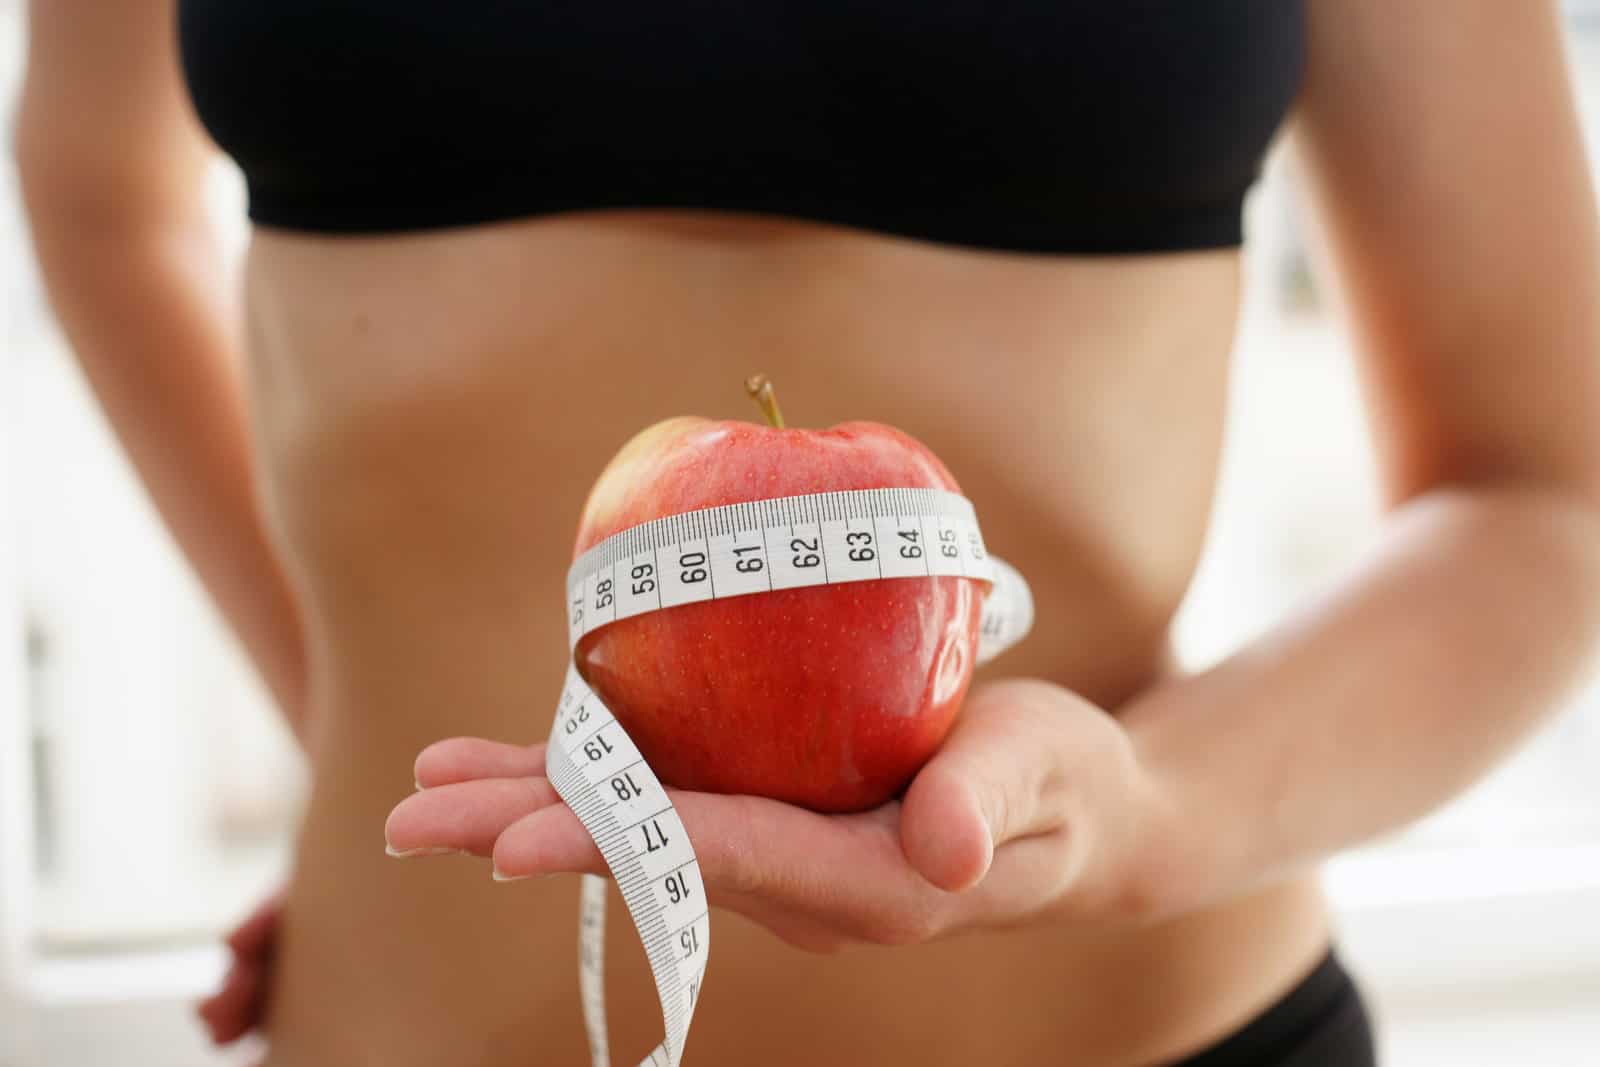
{"points": [[431, 411]]}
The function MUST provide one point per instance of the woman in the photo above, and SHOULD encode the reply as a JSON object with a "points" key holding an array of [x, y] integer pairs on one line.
{"points": [[492, 244]]}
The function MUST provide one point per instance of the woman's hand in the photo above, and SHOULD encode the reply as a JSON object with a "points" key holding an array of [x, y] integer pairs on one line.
{"points": [[1034, 806], [240, 1006]]}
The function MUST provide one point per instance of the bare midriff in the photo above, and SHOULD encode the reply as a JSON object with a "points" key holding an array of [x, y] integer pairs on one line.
{"points": [[431, 410]]}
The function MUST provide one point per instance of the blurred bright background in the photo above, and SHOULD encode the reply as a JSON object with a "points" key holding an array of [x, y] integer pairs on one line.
{"points": [[147, 795]]}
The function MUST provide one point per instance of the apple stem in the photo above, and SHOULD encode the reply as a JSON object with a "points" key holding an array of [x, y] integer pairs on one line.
{"points": [[759, 386]]}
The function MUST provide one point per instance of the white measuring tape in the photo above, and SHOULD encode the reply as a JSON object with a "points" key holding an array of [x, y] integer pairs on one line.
{"points": [[736, 550]]}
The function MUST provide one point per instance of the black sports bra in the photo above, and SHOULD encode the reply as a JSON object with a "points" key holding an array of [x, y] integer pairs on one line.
{"points": [[1063, 126]]}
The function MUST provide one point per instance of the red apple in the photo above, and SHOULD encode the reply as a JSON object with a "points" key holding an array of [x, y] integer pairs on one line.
{"points": [[830, 697]]}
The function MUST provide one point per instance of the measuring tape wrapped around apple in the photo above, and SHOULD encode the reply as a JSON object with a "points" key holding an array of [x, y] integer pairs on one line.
{"points": [[828, 690]]}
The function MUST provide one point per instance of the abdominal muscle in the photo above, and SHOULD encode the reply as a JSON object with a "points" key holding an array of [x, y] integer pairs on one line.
{"points": [[431, 411]]}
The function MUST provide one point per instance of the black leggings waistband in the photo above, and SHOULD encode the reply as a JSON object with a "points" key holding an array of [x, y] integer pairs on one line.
{"points": [[1322, 1022]]}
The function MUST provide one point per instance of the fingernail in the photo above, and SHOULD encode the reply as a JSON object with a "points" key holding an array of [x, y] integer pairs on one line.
{"points": [[500, 876], [409, 853], [418, 783]]}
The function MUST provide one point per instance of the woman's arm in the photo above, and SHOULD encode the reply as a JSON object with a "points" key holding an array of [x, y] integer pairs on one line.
{"points": [[112, 165], [1444, 153]]}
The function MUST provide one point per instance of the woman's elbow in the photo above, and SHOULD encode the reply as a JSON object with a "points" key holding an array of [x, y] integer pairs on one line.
{"points": [[1539, 543]]}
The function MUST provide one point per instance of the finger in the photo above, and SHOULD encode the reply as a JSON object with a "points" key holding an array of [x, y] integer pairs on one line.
{"points": [[253, 935], [944, 832], [774, 863], [230, 1013], [993, 780], [548, 841], [462, 759], [743, 844], [465, 816]]}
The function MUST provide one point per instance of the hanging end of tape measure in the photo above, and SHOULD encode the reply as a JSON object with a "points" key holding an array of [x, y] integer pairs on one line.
{"points": [[1007, 611]]}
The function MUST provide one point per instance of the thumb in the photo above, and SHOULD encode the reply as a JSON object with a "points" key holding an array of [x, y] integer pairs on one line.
{"points": [[984, 787], [944, 831]]}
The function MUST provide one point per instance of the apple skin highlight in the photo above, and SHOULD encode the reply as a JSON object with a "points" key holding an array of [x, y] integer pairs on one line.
{"points": [[830, 697]]}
